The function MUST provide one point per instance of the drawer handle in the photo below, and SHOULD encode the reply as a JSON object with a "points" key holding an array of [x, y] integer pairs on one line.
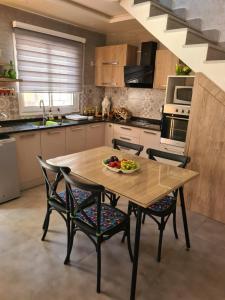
{"points": [[75, 129], [126, 139], [29, 135], [109, 83], [150, 132], [95, 126], [54, 132], [110, 63], [126, 128]]}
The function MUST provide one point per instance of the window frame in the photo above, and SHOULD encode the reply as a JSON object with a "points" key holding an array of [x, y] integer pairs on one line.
{"points": [[36, 110]]}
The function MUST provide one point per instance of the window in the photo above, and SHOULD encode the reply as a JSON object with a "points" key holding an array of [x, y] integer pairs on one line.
{"points": [[30, 102], [51, 69]]}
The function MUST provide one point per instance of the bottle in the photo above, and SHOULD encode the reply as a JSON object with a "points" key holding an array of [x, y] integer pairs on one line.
{"points": [[12, 72], [59, 116], [50, 115]]}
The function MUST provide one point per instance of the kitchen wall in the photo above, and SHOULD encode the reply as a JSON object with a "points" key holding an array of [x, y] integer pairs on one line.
{"points": [[145, 103], [8, 14]]}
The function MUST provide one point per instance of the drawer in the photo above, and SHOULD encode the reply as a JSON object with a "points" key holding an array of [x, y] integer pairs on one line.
{"points": [[129, 139], [150, 138], [127, 131]]}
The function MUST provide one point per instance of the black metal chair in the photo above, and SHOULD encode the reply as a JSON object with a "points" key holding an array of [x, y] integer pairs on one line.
{"points": [[57, 200], [161, 210], [99, 221], [119, 145]]}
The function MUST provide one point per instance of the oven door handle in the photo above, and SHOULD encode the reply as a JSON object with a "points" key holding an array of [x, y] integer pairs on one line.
{"points": [[177, 118]]}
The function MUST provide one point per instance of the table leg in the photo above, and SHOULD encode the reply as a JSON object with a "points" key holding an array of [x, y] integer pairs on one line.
{"points": [[136, 253], [184, 218]]}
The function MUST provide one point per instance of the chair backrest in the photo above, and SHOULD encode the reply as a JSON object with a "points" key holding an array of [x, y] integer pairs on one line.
{"points": [[52, 184], [97, 193], [118, 144], [182, 159]]}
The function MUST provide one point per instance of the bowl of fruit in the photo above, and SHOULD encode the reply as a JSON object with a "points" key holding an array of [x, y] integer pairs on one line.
{"points": [[125, 165]]}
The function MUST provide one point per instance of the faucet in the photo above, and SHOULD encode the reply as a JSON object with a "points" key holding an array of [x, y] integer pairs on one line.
{"points": [[42, 104]]}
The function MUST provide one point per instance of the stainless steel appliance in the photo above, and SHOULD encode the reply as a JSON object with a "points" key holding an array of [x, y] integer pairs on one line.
{"points": [[174, 124], [183, 95], [9, 182]]}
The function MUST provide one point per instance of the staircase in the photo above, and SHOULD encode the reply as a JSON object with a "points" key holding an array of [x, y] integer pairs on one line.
{"points": [[198, 49]]}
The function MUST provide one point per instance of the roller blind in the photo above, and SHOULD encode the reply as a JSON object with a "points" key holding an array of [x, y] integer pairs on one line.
{"points": [[47, 63]]}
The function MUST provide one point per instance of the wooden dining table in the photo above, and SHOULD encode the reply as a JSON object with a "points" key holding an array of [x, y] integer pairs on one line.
{"points": [[151, 182]]}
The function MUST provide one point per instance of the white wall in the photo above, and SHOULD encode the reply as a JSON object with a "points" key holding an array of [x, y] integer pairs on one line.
{"points": [[212, 13]]}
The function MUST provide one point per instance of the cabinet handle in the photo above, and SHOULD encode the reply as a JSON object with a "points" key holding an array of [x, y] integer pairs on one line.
{"points": [[126, 139], [75, 129], [95, 126], [126, 128], [150, 132], [110, 63], [28, 135], [110, 125], [109, 83], [54, 132]]}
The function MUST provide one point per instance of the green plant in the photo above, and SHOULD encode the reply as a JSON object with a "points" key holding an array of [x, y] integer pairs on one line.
{"points": [[182, 69]]}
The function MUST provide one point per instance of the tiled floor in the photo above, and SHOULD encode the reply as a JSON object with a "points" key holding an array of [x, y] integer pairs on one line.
{"points": [[31, 269]]}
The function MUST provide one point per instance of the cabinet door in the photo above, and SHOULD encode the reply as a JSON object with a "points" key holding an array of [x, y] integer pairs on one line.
{"points": [[75, 139], [95, 135], [108, 134], [53, 143], [149, 139], [165, 65], [111, 55], [109, 75], [28, 146]]}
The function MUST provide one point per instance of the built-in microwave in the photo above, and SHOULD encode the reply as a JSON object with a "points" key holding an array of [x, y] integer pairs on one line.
{"points": [[183, 95]]}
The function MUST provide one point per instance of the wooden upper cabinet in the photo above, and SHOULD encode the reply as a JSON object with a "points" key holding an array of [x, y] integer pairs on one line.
{"points": [[110, 62], [165, 65], [117, 55]]}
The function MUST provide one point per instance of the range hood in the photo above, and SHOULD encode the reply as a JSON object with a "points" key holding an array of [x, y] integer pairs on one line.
{"points": [[142, 76]]}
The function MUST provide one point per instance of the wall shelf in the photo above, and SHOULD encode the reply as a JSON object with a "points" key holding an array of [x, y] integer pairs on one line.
{"points": [[2, 79]]}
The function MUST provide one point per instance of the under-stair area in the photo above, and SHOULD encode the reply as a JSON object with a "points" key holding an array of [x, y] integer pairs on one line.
{"points": [[200, 50]]}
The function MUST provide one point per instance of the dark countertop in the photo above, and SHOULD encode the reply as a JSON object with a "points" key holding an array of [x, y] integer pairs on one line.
{"points": [[24, 125]]}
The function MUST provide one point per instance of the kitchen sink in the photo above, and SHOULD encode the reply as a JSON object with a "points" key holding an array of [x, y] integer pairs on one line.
{"points": [[49, 123]]}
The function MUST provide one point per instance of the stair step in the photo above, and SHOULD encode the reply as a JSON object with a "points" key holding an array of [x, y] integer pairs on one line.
{"points": [[193, 36], [195, 23], [181, 13], [215, 53]]}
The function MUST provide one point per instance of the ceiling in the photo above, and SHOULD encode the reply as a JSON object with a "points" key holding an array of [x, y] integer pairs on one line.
{"points": [[103, 16]]}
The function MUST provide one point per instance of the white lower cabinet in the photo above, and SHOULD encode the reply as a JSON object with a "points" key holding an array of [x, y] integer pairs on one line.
{"points": [[28, 146], [126, 133], [53, 143], [75, 139], [149, 139], [108, 134], [95, 136]]}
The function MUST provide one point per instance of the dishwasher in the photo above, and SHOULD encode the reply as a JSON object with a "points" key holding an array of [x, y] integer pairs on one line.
{"points": [[9, 181]]}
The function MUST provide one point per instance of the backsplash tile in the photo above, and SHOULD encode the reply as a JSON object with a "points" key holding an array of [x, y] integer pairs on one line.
{"points": [[91, 96], [9, 105], [145, 103]]}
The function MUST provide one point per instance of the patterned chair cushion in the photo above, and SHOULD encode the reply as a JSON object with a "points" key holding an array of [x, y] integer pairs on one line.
{"points": [[162, 204], [79, 195], [110, 216]]}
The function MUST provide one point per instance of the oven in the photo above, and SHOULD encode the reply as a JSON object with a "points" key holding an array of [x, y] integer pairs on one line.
{"points": [[174, 125]]}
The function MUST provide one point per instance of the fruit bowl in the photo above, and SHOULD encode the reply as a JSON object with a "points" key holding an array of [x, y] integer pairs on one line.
{"points": [[125, 166]]}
